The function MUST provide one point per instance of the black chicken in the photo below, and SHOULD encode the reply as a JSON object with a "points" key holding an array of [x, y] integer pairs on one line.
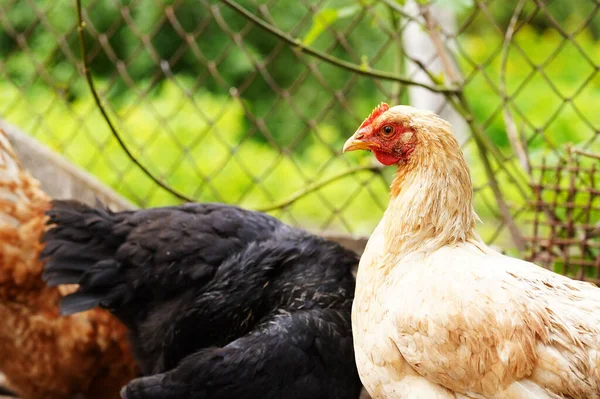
{"points": [[221, 302]]}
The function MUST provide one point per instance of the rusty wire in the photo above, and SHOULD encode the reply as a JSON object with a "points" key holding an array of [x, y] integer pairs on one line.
{"points": [[569, 242]]}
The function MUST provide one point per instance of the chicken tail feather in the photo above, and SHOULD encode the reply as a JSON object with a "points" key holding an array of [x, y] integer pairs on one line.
{"points": [[79, 302], [79, 250]]}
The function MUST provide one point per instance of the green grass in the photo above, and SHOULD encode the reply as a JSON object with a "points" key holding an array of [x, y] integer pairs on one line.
{"points": [[183, 148], [199, 145]]}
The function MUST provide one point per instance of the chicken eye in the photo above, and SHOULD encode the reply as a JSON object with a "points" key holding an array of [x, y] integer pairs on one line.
{"points": [[387, 130]]}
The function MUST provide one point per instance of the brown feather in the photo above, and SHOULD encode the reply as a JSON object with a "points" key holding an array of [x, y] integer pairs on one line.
{"points": [[45, 355]]}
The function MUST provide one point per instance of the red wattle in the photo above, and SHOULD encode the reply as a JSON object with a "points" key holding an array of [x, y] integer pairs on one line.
{"points": [[386, 158]]}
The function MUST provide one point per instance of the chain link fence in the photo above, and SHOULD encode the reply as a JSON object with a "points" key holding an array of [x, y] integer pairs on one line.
{"points": [[249, 102], [566, 230]]}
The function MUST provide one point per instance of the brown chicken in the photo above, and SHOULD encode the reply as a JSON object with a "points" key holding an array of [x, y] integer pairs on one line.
{"points": [[42, 354]]}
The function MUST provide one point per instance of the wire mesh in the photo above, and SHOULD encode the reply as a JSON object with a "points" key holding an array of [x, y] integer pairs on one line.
{"points": [[223, 109], [566, 224]]}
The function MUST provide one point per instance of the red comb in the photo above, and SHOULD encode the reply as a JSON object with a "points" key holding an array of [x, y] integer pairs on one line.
{"points": [[380, 109]]}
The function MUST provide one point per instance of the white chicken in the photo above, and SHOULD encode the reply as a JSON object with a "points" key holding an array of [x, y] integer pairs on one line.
{"points": [[437, 313]]}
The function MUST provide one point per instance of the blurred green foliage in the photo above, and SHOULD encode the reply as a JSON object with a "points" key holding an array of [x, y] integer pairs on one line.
{"points": [[257, 176], [188, 129]]}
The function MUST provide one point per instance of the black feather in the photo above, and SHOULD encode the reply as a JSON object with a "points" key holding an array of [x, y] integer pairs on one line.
{"points": [[66, 264], [78, 302], [61, 277], [221, 302]]}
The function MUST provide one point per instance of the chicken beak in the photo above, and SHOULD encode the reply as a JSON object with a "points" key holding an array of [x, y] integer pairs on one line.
{"points": [[357, 142]]}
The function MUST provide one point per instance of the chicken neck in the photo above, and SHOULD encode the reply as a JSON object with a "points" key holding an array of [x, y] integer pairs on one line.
{"points": [[431, 198]]}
